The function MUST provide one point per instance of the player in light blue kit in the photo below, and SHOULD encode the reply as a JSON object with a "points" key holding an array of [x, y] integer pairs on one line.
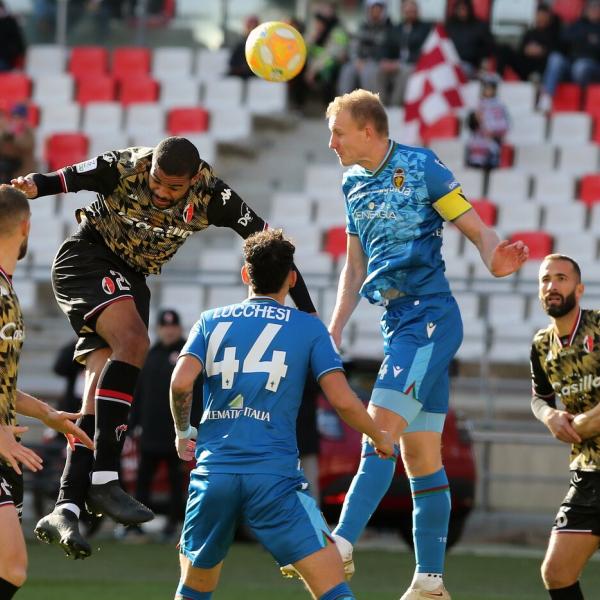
{"points": [[255, 356], [397, 198]]}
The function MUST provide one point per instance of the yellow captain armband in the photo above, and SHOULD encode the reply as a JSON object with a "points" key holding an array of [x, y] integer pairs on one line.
{"points": [[452, 205]]}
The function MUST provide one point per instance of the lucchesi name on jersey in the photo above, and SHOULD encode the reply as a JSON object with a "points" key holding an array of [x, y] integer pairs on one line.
{"points": [[143, 236], [11, 341], [570, 371]]}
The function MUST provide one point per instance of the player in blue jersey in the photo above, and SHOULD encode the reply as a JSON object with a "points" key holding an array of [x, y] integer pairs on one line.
{"points": [[397, 198], [255, 356]]}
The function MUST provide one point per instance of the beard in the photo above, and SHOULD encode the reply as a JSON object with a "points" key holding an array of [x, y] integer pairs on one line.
{"points": [[22, 249], [566, 305]]}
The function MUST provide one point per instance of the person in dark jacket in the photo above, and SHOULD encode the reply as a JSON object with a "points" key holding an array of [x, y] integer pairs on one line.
{"points": [[151, 413], [579, 57], [471, 37], [537, 43], [401, 51], [12, 42]]}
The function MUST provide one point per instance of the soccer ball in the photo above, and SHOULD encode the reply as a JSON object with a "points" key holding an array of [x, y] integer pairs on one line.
{"points": [[275, 51]]}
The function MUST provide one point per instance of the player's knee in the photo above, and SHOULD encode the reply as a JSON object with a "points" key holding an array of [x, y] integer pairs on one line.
{"points": [[132, 343], [555, 575], [15, 572]]}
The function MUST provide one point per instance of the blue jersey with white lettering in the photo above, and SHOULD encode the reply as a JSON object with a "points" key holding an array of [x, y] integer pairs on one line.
{"points": [[397, 212], [256, 355]]}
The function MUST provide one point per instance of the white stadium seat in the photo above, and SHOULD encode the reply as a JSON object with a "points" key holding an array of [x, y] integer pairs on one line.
{"points": [[553, 187], [518, 216], [53, 88], [578, 159], [222, 94], [212, 64], [508, 185], [179, 93], [535, 158], [230, 125], [570, 128], [518, 96], [265, 97], [172, 62], [565, 218], [527, 128], [45, 59], [102, 117]]}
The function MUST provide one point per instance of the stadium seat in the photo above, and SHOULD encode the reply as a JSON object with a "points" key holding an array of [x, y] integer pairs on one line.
{"points": [[231, 125], [554, 220], [508, 185], [519, 96], [589, 189], [486, 210], [14, 87], [584, 246], [539, 242], [591, 103], [594, 224], [53, 88], [568, 97], [395, 121], [446, 127], [471, 181], [535, 158], [452, 241], [144, 117], [554, 187], [507, 156], [568, 10], [187, 300], [212, 64], [179, 92], [323, 181], [295, 207], [172, 62], [222, 295], [264, 98], [206, 144], [88, 61], [101, 117], [139, 88], [96, 88], [470, 305], [335, 242], [224, 93], [59, 117], [502, 309], [518, 215], [570, 128], [432, 10], [482, 9], [451, 152], [579, 159], [527, 128], [101, 142], [64, 149], [512, 16], [187, 120], [45, 60], [130, 62]]}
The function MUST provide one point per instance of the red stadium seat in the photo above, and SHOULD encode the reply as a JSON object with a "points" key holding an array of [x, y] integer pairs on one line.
{"points": [[335, 242], [88, 60], [486, 210], [539, 243], [568, 97], [568, 10], [130, 62], [140, 88], [589, 189], [446, 127], [14, 87], [64, 149], [507, 156], [96, 88], [187, 120], [591, 104]]}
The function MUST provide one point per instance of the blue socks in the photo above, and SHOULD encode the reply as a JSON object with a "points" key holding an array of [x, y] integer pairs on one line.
{"points": [[431, 513], [187, 593], [340, 592], [369, 485]]}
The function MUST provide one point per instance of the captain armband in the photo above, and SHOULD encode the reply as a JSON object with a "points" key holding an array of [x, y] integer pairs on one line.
{"points": [[452, 205]]}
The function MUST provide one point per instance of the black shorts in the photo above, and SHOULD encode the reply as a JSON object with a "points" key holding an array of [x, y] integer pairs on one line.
{"points": [[86, 278], [580, 510], [11, 487]]}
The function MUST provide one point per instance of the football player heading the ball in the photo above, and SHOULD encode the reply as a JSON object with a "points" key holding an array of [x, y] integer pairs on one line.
{"points": [[150, 200]]}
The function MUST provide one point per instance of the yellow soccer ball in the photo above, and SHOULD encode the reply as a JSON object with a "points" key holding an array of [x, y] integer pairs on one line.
{"points": [[275, 51]]}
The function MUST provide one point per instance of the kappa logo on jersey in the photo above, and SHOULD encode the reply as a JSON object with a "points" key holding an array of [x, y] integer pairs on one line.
{"points": [[246, 216], [188, 212], [588, 343], [108, 285], [398, 178], [225, 195], [119, 431]]}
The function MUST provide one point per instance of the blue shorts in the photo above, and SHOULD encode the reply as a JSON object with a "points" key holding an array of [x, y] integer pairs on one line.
{"points": [[279, 511], [421, 336]]}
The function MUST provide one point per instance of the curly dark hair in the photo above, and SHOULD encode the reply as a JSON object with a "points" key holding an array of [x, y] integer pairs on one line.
{"points": [[269, 259], [177, 156]]}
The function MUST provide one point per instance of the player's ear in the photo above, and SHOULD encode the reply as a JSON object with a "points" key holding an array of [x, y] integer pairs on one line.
{"points": [[292, 278], [579, 289], [245, 277]]}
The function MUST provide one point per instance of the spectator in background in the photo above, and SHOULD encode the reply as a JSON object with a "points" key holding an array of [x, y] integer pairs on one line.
{"points": [[327, 45], [489, 123], [74, 374], [536, 45], [17, 144], [12, 41], [366, 50], [471, 37], [237, 59], [401, 52], [579, 58], [152, 414]]}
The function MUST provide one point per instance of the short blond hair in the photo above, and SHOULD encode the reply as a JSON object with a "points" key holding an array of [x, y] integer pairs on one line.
{"points": [[364, 107]]}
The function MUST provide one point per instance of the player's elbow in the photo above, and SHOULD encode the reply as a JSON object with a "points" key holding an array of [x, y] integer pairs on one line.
{"points": [[181, 384]]}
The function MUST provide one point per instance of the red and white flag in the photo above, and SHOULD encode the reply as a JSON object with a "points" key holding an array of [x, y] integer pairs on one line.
{"points": [[434, 89]]}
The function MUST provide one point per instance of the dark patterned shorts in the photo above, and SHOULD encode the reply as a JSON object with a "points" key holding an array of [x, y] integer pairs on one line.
{"points": [[580, 510], [11, 488]]}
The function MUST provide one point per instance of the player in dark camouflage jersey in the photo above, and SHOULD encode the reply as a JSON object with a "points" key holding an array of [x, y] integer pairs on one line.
{"points": [[565, 361], [14, 231], [150, 200]]}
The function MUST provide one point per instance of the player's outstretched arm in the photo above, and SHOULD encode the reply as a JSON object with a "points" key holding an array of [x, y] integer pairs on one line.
{"points": [[351, 279], [61, 421], [352, 411], [587, 424], [26, 184], [185, 373], [14, 452], [499, 256]]}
